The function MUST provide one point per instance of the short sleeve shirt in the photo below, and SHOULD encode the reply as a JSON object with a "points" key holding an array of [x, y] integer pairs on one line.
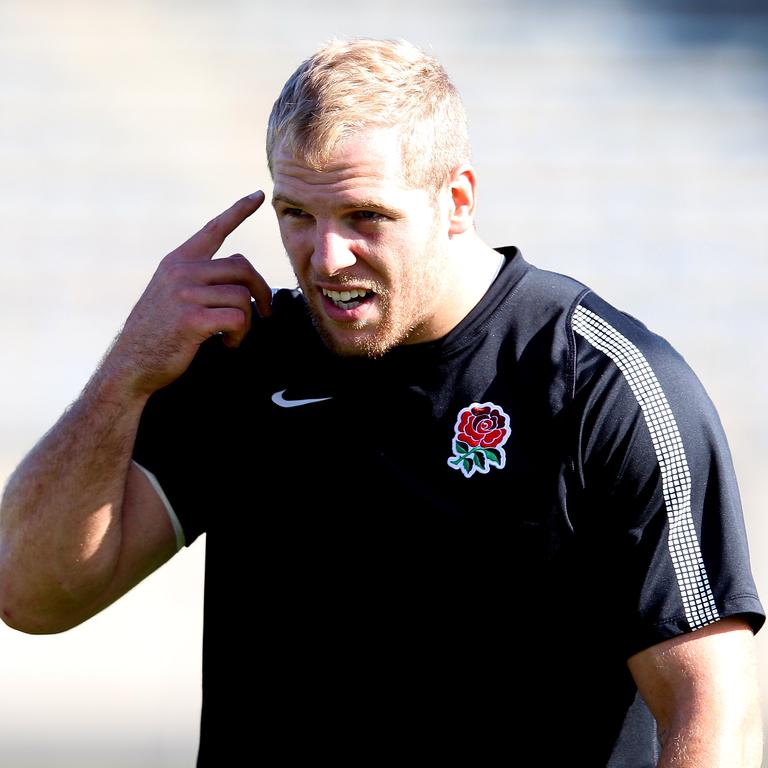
{"points": [[454, 548]]}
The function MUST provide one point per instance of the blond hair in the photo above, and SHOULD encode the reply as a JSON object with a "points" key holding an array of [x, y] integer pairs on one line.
{"points": [[347, 87]]}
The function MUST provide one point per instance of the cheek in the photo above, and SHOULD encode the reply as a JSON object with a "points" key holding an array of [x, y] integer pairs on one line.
{"points": [[297, 244]]}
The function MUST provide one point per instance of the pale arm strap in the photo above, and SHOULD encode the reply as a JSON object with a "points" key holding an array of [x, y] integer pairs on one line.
{"points": [[177, 529]]}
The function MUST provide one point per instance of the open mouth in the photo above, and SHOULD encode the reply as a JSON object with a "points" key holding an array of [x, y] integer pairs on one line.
{"points": [[348, 299]]}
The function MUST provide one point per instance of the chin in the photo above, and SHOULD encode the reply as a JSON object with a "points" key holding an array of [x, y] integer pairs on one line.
{"points": [[370, 347], [352, 344], [371, 340]]}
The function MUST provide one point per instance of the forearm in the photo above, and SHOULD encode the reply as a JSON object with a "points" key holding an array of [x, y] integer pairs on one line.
{"points": [[702, 689], [73, 535], [727, 740], [60, 517]]}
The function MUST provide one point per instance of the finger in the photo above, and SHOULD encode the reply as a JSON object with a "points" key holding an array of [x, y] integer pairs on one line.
{"points": [[238, 296], [233, 337], [262, 294], [204, 243], [237, 269], [232, 322], [233, 270]]}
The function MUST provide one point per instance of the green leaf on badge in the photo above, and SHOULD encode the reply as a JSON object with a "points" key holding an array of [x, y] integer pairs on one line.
{"points": [[479, 458], [467, 464], [461, 447], [493, 455]]}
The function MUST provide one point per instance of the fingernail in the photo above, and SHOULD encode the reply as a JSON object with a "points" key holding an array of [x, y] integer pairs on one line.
{"points": [[256, 195]]}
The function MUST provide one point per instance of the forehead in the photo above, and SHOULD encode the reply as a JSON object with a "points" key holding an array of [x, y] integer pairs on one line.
{"points": [[366, 163]]}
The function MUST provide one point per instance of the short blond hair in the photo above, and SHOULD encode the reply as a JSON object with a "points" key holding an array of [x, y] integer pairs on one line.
{"points": [[349, 86]]}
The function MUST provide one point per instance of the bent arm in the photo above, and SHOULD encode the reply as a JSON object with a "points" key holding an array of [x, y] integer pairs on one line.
{"points": [[702, 690], [79, 524]]}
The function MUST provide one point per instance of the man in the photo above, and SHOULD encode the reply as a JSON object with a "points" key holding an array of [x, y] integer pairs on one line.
{"points": [[456, 508]]}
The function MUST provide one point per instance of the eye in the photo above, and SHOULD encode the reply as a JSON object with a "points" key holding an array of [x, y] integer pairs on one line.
{"points": [[294, 213], [369, 216]]}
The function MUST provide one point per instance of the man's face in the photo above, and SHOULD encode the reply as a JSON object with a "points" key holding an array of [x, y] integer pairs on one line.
{"points": [[368, 250]]}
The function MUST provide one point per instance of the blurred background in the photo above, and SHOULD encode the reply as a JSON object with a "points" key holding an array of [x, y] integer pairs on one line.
{"points": [[624, 143]]}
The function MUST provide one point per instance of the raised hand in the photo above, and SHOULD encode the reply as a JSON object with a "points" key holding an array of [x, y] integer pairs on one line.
{"points": [[190, 298]]}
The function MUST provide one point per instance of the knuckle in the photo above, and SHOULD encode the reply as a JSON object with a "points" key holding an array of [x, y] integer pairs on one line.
{"points": [[185, 293], [211, 227], [241, 265], [172, 271], [237, 319], [192, 316], [242, 294]]}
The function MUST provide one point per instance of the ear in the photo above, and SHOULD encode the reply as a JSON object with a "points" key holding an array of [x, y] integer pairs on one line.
{"points": [[463, 188]]}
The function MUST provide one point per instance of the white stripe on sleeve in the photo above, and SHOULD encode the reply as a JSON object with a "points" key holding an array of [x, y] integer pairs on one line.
{"points": [[692, 579], [177, 529]]}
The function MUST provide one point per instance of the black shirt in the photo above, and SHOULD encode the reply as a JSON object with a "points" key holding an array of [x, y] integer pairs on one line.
{"points": [[404, 552]]}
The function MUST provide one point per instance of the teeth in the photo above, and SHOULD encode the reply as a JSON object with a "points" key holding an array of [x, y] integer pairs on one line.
{"points": [[344, 295]]}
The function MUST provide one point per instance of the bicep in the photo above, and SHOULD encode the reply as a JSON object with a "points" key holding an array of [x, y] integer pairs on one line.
{"points": [[148, 538], [702, 689]]}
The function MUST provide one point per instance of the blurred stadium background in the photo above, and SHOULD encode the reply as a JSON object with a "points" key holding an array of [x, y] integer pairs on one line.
{"points": [[625, 143]]}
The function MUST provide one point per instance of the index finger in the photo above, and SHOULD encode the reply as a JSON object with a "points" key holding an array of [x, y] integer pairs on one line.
{"points": [[204, 243]]}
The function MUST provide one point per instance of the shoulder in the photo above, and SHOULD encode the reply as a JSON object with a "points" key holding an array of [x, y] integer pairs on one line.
{"points": [[630, 369], [557, 316], [621, 337], [536, 290], [533, 311]]}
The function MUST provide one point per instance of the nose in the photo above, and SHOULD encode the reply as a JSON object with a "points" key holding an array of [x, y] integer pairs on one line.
{"points": [[332, 252]]}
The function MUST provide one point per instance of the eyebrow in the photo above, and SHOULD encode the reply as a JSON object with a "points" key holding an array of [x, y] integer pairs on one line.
{"points": [[371, 203], [366, 204], [286, 200]]}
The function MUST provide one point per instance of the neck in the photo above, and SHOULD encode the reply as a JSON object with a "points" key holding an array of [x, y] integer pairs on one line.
{"points": [[470, 270], [475, 266]]}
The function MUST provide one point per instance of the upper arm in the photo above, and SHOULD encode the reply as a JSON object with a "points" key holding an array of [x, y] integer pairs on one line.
{"points": [[148, 540], [702, 689]]}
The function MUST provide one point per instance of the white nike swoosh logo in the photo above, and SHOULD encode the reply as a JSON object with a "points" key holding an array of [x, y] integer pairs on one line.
{"points": [[278, 399]]}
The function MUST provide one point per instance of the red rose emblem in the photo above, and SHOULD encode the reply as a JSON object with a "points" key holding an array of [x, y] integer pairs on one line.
{"points": [[483, 426], [481, 431]]}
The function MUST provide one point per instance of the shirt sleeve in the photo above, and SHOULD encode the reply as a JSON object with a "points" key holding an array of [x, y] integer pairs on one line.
{"points": [[657, 475], [178, 440]]}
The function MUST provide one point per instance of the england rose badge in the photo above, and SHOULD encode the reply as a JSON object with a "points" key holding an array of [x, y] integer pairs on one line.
{"points": [[481, 431]]}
